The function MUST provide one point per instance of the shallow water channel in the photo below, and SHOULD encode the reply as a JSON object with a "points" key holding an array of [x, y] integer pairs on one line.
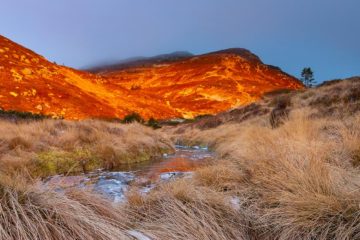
{"points": [[114, 184]]}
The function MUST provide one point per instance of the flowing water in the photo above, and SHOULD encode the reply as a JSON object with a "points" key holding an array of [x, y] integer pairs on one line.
{"points": [[114, 184]]}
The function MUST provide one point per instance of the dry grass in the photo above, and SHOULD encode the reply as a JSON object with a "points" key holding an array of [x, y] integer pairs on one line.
{"points": [[298, 181], [341, 98], [51, 147], [185, 210], [28, 213]]}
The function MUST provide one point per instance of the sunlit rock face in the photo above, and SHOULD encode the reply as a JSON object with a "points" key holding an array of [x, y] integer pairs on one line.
{"points": [[184, 87]]}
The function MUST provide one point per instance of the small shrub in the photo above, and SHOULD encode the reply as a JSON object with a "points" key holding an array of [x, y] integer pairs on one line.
{"points": [[133, 117], [153, 123], [18, 115]]}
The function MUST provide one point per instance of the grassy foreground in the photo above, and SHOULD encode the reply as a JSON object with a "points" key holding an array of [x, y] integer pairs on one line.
{"points": [[296, 179]]}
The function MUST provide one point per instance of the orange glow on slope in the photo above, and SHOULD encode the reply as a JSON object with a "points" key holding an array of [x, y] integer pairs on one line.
{"points": [[205, 84]]}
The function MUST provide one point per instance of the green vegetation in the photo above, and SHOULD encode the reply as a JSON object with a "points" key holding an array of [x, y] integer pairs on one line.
{"points": [[133, 117], [61, 162], [153, 123], [17, 115]]}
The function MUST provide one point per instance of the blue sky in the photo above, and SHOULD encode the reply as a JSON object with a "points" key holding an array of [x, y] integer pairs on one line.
{"points": [[291, 34]]}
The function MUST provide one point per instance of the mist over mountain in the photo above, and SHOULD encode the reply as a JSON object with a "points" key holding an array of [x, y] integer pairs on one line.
{"points": [[138, 62]]}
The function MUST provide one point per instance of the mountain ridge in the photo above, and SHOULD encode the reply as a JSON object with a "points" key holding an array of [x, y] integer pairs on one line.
{"points": [[165, 58]]}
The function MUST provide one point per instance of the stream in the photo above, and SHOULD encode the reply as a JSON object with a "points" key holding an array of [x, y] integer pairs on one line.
{"points": [[147, 175]]}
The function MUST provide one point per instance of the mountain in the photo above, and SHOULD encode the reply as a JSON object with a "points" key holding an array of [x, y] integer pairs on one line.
{"points": [[140, 62], [205, 84], [177, 85], [28, 82]]}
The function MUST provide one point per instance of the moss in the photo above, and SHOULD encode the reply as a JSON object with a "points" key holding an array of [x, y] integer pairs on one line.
{"points": [[55, 162], [59, 162]]}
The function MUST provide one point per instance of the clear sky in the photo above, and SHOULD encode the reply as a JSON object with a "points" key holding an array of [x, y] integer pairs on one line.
{"points": [[292, 34]]}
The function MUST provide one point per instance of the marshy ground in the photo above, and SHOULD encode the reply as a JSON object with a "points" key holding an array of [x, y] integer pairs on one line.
{"points": [[285, 168], [113, 184]]}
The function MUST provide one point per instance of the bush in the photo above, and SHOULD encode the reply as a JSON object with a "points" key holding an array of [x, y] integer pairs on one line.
{"points": [[17, 115], [153, 123], [133, 117]]}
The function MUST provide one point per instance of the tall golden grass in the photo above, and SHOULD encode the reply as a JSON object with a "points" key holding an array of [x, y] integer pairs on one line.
{"points": [[298, 181], [28, 212]]}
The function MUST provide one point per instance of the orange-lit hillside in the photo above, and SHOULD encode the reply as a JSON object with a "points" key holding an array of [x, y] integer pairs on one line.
{"points": [[205, 84], [196, 85], [28, 82]]}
